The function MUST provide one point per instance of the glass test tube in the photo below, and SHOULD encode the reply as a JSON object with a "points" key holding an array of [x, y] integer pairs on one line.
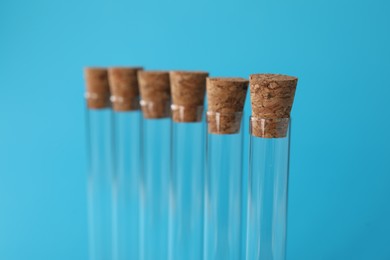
{"points": [[246, 140], [127, 135], [156, 147], [272, 97], [186, 203], [100, 170], [223, 195], [155, 104], [127, 125], [188, 157], [267, 195]]}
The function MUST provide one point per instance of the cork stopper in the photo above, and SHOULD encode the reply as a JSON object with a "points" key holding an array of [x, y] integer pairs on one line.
{"points": [[124, 88], [97, 88], [155, 93], [188, 89], [226, 98], [272, 96]]}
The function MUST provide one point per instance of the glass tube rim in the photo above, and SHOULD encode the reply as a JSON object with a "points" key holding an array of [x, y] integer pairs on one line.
{"points": [[267, 127], [156, 109], [224, 123], [180, 112]]}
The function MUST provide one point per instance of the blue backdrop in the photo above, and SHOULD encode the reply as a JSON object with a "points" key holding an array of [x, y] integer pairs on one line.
{"points": [[340, 171]]}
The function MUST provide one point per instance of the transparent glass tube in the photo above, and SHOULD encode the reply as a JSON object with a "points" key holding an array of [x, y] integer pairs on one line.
{"points": [[267, 192], [100, 172], [222, 240], [155, 188], [187, 189], [128, 164]]}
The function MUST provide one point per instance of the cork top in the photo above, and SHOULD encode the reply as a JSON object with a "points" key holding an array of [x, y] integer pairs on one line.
{"points": [[226, 95], [272, 97], [226, 98], [124, 88], [97, 88], [188, 90], [155, 93]]}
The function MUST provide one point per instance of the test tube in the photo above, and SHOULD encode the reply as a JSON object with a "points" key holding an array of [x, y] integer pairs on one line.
{"points": [[100, 171], [188, 156], [127, 127], [155, 104], [272, 97], [223, 206]]}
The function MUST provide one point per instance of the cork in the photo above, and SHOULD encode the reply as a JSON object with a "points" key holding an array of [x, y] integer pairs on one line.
{"points": [[124, 88], [97, 88], [155, 93], [272, 97], [188, 90], [226, 98]]}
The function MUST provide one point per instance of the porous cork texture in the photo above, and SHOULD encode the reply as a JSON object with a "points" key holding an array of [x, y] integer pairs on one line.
{"points": [[155, 93], [272, 97], [97, 88], [124, 88], [188, 90], [226, 98]]}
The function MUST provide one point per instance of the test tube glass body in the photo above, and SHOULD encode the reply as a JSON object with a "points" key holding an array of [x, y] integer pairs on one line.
{"points": [[223, 207], [267, 194], [100, 173], [155, 187], [187, 189], [128, 164]]}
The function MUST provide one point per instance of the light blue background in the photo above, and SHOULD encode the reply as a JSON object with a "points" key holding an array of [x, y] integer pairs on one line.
{"points": [[340, 169]]}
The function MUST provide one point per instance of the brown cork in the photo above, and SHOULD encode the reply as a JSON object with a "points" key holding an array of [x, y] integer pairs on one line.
{"points": [[226, 98], [155, 93], [97, 88], [272, 97], [124, 88], [188, 89]]}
